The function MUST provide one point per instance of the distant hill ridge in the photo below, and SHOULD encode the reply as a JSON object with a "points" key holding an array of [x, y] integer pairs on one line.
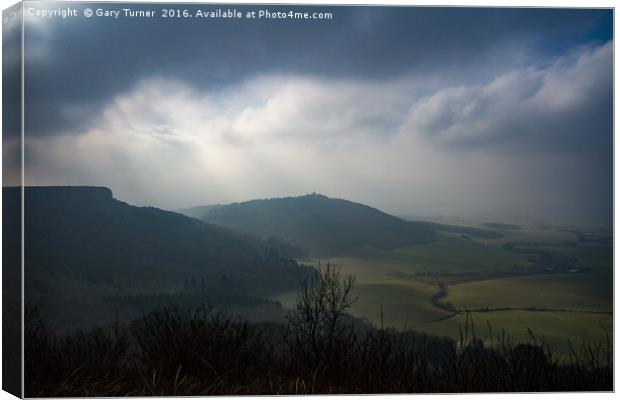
{"points": [[319, 224], [466, 230], [87, 234]]}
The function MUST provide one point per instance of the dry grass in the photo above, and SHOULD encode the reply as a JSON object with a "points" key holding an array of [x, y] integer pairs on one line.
{"points": [[200, 352]]}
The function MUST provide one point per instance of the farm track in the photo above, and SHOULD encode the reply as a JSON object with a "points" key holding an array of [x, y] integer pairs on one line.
{"points": [[542, 266], [454, 278], [442, 292]]}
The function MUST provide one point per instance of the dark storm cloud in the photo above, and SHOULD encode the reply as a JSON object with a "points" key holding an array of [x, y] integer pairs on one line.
{"points": [[74, 67]]}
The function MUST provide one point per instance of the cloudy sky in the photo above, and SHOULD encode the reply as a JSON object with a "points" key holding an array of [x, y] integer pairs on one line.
{"points": [[417, 111]]}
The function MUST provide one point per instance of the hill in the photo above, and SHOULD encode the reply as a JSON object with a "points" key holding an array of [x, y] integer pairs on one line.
{"points": [[466, 230], [197, 212], [501, 226], [81, 243], [321, 225]]}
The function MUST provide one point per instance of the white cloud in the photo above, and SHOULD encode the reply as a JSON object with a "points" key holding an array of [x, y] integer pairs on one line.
{"points": [[167, 144], [515, 102], [572, 81]]}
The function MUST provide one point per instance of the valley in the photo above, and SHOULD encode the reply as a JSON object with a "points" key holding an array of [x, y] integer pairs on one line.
{"points": [[248, 258], [562, 293]]}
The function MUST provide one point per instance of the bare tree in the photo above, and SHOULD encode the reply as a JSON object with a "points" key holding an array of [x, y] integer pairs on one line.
{"points": [[322, 301]]}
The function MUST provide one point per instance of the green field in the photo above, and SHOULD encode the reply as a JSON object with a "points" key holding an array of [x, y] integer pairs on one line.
{"points": [[558, 307], [556, 329], [584, 292], [405, 302], [449, 253]]}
